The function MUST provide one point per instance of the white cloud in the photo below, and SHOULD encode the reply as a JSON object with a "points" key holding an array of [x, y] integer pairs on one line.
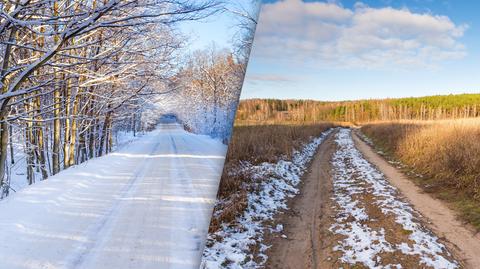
{"points": [[267, 78], [328, 34]]}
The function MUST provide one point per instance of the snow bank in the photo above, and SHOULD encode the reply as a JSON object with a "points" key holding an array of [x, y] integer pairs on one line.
{"points": [[355, 175], [17, 173], [123, 138], [273, 183]]}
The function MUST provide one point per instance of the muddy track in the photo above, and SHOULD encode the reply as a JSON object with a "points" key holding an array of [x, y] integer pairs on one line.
{"points": [[348, 215], [303, 246]]}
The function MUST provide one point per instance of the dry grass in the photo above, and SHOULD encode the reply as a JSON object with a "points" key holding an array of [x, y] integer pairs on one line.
{"points": [[265, 143], [446, 152], [256, 144]]}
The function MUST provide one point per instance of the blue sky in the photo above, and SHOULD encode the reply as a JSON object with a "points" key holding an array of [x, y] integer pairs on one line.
{"points": [[219, 29], [344, 50], [215, 29]]}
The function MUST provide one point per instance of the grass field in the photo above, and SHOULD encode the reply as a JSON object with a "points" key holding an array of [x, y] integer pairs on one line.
{"points": [[445, 152], [266, 143]]}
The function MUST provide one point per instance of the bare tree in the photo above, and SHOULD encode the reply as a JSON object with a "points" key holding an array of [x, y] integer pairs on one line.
{"points": [[209, 87], [70, 69]]}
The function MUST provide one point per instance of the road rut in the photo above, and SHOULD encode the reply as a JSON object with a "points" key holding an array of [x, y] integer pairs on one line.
{"points": [[349, 215], [303, 246]]}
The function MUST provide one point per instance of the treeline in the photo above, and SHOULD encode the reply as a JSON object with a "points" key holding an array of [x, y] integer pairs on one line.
{"points": [[414, 108]]}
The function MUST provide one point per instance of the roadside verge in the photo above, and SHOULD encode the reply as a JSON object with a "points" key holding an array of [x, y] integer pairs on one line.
{"points": [[440, 219]]}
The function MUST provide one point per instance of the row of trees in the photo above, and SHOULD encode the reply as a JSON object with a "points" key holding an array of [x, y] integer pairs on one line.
{"points": [[72, 72], [211, 79], [420, 108], [211, 83]]}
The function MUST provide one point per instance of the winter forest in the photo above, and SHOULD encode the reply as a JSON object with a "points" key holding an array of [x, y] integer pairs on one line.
{"points": [[78, 76]]}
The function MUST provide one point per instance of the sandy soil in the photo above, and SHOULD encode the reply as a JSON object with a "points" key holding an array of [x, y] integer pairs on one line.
{"points": [[303, 247], [441, 220]]}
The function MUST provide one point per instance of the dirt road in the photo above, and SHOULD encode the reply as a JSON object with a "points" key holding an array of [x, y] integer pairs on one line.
{"points": [[303, 246], [439, 218], [349, 215]]}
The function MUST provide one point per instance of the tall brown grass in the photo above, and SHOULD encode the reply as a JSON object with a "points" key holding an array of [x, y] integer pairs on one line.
{"points": [[266, 143], [446, 152], [256, 144]]}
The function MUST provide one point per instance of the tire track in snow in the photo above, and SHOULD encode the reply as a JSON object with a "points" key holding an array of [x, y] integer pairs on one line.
{"points": [[198, 147], [366, 202], [102, 226]]}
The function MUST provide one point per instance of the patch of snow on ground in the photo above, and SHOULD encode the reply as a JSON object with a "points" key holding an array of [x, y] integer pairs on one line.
{"points": [[355, 175], [123, 138], [274, 183]]}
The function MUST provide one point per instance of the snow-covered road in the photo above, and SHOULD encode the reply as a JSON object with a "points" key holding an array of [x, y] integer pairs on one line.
{"points": [[147, 205]]}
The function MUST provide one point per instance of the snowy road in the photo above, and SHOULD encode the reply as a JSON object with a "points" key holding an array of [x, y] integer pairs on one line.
{"points": [[147, 205]]}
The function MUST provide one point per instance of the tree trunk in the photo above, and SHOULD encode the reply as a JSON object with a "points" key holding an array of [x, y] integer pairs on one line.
{"points": [[30, 152], [12, 154], [4, 109], [104, 133], [56, 133], [40, 140], [73, 132], [3, 148], [66, 143], [82, 155]]}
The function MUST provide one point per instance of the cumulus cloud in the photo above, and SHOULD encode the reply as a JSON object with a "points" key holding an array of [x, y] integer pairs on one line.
{"points": [[331, 35]]}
